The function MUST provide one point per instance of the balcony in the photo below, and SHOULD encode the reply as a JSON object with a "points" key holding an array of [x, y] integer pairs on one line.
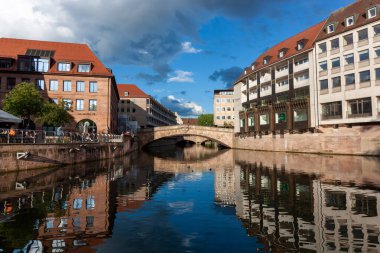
{"points": [[282, 73], [301, 83], [252, 83], [266, 92], [265, 78], [301, 67], [252, 95]]}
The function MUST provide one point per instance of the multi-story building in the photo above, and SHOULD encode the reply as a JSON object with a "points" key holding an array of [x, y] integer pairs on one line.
{"points": [[224, 108], [137, 106], [348, 66], [276, 91], [63, 71]]}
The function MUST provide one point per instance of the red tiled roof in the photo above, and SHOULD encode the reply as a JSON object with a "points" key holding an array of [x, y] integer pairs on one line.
{"points": [[358, 10], [290, 46], [63, 52], [133, 91]]}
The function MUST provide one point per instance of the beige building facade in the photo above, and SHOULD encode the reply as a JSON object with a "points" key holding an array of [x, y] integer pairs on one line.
{"points": [[348, 66], [224, 108], [137, 106]]}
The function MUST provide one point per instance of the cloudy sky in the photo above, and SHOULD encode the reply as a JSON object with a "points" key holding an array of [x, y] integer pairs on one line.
{"points": [[178, 51]]}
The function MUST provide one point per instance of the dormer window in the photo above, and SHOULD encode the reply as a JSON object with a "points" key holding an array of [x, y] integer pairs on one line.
{"points": [[350, 21], [84, 67], [5, 63], [300, 44], [330, 28], [126, 93], [266, 60], [253, 67], [64, 66], [245, 72], [371, 13], [281, 53]]}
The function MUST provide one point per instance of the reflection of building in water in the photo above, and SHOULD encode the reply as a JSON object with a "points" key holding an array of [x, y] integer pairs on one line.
{"points": [[225, 186], [348, 218], [80, 217], [290, 211]]}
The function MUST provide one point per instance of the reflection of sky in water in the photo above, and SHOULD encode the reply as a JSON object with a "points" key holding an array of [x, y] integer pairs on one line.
{"points": [[181, 217]]}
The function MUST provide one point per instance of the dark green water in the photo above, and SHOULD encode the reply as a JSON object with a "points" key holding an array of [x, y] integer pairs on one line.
{"points": [[195, 200]]}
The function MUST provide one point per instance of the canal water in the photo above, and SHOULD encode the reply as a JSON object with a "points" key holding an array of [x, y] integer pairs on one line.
{"points": [[195, 199]]}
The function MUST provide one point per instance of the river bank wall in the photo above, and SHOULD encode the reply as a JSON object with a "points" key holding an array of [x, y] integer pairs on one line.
{"points": [[361, 140], [16, 157]]}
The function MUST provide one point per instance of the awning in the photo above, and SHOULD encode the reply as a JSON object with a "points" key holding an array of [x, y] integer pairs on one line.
{"points": [[9, 118]]}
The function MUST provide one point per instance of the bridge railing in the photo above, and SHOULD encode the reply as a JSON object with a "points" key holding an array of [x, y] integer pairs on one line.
{"points": [[13, 136]]}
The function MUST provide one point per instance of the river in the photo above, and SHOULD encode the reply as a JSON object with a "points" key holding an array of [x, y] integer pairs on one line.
{"points": [[195, 199]]}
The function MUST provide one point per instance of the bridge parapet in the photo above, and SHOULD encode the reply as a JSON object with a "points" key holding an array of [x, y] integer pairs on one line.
{"points": [[223, 136]]}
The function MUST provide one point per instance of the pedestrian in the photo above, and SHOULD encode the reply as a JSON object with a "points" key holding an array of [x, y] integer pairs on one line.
{"points": [[59, 133]]}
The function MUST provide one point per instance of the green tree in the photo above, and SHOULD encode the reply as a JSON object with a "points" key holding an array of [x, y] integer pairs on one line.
{"points": [[55, 114], [206, 120], [24, 101]]}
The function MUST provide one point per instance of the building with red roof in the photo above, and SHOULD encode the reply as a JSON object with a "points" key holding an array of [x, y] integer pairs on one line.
{"points": [[139, 110], [348, 66], [63, 71], [275, 93]]}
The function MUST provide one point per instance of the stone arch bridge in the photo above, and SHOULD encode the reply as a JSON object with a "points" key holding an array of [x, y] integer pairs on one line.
{"points": [[223, 136]]}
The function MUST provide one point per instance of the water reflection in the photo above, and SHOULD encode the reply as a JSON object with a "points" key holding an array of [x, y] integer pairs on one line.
{"points": [[203, 202]]}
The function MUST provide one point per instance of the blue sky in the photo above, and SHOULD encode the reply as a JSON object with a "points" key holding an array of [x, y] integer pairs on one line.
{"points": [[178, 51]]}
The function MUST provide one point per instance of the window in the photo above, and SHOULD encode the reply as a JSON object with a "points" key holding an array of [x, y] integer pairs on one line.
{"points": [[251, 121], [335, 63], [348, 39], [80, 86], [223, 109], [281, 53], [67, 103], [264, 119], [80, 105], [265, 87], [322, 47], [93, 86], [300, 44], [217, 100], [324, 84], [253, 67], [242, 122], [11, 83], [359, 108], [330, 28], [300, 62], [372, 12], [83, 67], [364, 55], [363, 34], [5, 63], [40, 84], [283, 83], [302, 77], [223, 117], [300, 115], [282, 68], [53, 86], [266, 60], [350, 21], [332, 110], [365, 76], [349, 59], [350, 79], [66, 85], [376, 30], [35, 64], [336, 82], [64, 66], [335, 44], [92, 105], [377, 72], [377, 52], [323, 66]]}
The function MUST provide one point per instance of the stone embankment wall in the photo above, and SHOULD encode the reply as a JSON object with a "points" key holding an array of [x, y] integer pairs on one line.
{"points": [[47, 155], [363, 140]]}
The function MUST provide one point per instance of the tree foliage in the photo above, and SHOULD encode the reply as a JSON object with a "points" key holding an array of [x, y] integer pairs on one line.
{"points": [[55, 114], [24, 101], [206, 120]]}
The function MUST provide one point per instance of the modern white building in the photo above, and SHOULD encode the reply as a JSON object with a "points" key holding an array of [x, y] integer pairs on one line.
{"points": [[348, 66], [224, 108]]}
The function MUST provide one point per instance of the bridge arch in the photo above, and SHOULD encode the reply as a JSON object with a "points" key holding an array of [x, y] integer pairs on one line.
{"points": [[223, 136]]}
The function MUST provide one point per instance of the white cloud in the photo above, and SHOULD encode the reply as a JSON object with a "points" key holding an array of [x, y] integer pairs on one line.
{"points": [[181, 77], [182, 107], [188, 48]]}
